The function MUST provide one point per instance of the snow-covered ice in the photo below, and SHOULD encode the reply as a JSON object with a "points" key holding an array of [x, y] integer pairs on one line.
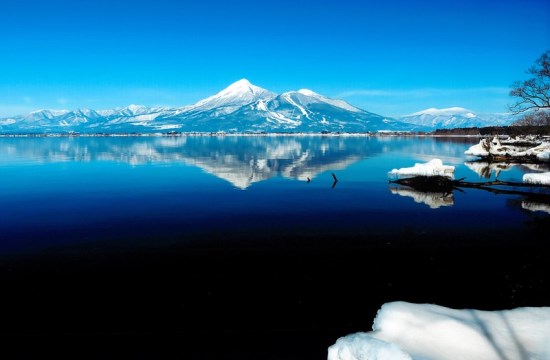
{"points": [[430, 332], [524, 139], [487, 147], [433, 167], [494, 147], [362, 346], [537, 178]]}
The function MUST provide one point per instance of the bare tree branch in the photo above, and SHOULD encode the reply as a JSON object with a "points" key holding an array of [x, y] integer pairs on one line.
{"points": [[533, 94]]}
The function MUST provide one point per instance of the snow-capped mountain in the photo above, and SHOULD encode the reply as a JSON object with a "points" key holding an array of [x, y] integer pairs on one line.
{"points": [[455, 117], [230, 99], [307, 111], [241, 107]]}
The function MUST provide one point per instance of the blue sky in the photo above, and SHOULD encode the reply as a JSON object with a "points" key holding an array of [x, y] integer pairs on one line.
{"points": [[389, 57]]}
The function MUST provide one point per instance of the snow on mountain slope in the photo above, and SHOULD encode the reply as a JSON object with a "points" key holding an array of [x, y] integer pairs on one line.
{"points": [[337, 103], [307, 111], [455, 117], [236, 95], [45, 113], [241, 107]]}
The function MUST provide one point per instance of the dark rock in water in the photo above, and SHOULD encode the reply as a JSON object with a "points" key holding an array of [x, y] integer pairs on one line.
{"points": [[444, 184], [429, 183]]}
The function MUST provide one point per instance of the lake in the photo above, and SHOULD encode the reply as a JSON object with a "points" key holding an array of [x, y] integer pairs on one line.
{"points": [[245, 246]]}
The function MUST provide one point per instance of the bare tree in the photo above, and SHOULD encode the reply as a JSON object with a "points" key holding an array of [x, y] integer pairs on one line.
{"points": [[533, 94]]}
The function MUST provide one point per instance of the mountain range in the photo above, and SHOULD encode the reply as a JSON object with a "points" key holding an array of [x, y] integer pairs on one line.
{"points": [[243, 107]]}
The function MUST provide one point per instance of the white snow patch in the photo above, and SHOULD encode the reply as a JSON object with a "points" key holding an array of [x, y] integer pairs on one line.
{"points": [[433, 167], [236, 95], [362, 346], [537, 178], [337, 103], [432, 332], [261, 106], [308, 92], [524, 139], [292, 102], [495, 147]]}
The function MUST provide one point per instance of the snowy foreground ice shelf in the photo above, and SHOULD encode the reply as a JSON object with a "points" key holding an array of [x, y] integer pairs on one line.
{"points": [[429, 332], [433, 167], [494, 148]]}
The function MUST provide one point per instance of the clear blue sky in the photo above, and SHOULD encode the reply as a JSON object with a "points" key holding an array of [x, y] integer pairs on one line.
{"points": [[389, 57]]}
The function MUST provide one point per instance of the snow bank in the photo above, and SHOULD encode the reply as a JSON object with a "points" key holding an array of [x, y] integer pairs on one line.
{"points": [[535, 151], [482, 149], [362, 346], [532, 140], [431, 168], [494, 147], [537, 178], [429, 332]]}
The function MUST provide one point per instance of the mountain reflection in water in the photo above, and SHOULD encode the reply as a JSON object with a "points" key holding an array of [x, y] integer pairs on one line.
{"points": [[240, 160], [434, 200]]}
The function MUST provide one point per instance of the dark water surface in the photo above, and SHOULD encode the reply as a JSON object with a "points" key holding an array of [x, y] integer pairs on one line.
{"points": [[219, 247]]}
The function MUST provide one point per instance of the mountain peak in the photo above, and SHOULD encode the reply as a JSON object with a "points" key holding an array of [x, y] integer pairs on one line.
{"points": [[315, 97], [308, 92], [241, 83], [243, 86], [48, 111], [454, 117], [236, 95], [134, 107]]}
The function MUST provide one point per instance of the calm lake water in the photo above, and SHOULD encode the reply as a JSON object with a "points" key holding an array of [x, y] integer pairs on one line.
{"points": [[221, 247]]}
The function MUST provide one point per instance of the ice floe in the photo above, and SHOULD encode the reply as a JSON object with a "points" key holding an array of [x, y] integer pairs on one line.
{"points": [[423, 331], [431, 168]]}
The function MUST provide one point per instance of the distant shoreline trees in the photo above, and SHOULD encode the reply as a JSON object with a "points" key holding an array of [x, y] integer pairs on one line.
{"points": [[541, 130]]}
